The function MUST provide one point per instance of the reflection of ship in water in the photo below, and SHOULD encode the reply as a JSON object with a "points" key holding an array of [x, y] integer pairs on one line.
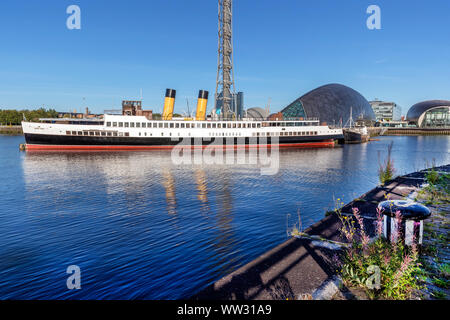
{"points": [[202, 188], [169, 186], [178, 199], [224, 237], [170, 189], [225, 243]]}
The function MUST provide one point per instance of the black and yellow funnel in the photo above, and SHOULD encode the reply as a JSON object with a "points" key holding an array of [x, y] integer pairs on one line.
{"points": [[201, 105], [169, 103]]}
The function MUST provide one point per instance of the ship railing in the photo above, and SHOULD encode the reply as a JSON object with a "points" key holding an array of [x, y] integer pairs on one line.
{"points": [[113, 112], [300, 119]]}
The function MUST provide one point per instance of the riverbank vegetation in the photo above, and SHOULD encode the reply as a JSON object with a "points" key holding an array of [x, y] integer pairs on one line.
{"points": [[15, 117], [438, 189], [386, 168], [373, 267], [436, 236], [383, 269], [405, 272], [158, 116]]}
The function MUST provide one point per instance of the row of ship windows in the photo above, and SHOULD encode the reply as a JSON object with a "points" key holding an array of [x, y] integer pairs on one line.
{"points": [[98, 133], [303, 133], [266, 134], [211, 134], [182, 125]]}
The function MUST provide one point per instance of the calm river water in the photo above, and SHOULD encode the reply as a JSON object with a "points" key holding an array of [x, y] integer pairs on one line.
{"points": [[141, 227]]}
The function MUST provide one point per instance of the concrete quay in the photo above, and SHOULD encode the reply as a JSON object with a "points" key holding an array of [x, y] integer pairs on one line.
{"points": [[13, 130], [387, 131], [417, 131]]}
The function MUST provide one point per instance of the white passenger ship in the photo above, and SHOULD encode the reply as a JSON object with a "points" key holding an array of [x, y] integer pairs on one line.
{"points": [[132, 132]]}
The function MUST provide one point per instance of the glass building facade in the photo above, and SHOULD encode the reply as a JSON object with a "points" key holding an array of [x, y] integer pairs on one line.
{"points": [[436, 118], [386, 111], [430, 114], [332, 103], [295, 110]]}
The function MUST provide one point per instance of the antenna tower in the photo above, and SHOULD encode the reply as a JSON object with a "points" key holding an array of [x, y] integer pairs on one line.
{"points": [[225, 75]]}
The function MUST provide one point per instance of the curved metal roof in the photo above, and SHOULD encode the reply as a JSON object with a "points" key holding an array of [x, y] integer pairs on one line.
{"points": [[420, 108], [257, 113], [331, 103]]}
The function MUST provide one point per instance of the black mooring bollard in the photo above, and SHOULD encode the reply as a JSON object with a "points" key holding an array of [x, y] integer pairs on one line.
{"points": [[409, 222]]}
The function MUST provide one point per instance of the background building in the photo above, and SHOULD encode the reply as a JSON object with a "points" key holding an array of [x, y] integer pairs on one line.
{"points": [[79, 115], [331, 103], [134, 108], [386, 111], [257, 113], [237, 105], [430, 114]]}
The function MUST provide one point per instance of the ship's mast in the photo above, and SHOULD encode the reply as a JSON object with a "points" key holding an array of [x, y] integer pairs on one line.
{"points": [[225, 76], [350, 121]]}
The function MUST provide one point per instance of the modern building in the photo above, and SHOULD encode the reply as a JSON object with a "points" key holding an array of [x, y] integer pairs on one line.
{"points": [[393, 124], [332, 104], [386, 111], [237, 105], [256, 113], [430, 114]]}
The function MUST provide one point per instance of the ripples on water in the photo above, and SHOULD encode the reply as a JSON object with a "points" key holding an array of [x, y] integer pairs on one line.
{"points": [[140, 227]]}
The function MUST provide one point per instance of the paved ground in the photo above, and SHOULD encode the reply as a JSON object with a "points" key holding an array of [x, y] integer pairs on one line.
{"points": [[296, 266]]}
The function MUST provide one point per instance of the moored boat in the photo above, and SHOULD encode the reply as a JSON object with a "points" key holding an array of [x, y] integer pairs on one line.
{"points": [[356, 135], [135, 130]]}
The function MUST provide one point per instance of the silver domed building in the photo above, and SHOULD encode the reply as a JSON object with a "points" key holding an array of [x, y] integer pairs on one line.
{"points": [[430, 114], [331, 103], [257, 113]]}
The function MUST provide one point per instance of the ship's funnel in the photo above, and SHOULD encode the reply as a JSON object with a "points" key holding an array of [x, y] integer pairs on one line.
{"points": [[201, 105], [169, 102]]}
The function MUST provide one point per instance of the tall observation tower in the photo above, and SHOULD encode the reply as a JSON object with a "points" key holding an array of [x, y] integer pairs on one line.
{"points": [[225, 76]]}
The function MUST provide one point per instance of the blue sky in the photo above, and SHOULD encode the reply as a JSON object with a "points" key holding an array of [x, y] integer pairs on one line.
{"points": [[282, 49]]}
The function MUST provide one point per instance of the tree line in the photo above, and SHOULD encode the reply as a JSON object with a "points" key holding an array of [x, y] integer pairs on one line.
{"points": [[158, 116], [15, 117]]}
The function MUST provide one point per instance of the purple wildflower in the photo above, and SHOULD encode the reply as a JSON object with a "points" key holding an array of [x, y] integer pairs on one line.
{"points": [[364, 238], [379, 222]]}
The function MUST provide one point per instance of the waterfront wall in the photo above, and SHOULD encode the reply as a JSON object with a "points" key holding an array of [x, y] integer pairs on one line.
{"points": [[13, 130], [417, 131], [374, 131], [377, 131]]}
